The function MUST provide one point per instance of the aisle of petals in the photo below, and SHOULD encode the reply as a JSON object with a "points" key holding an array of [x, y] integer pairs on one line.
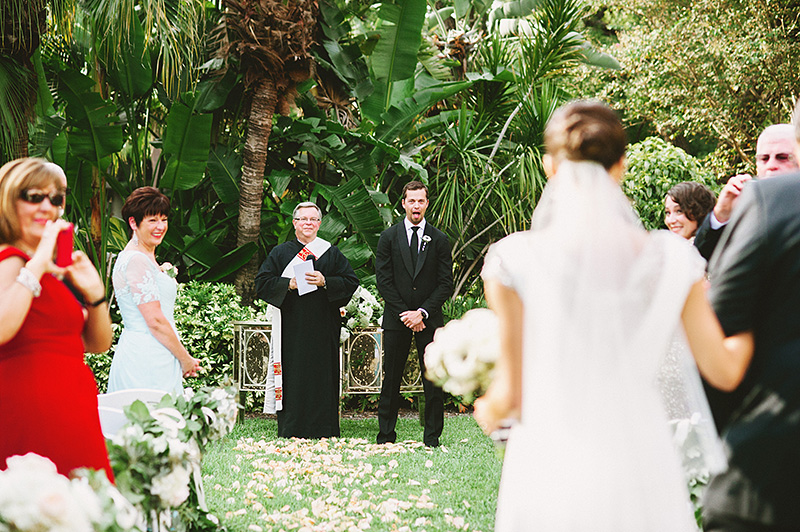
{"points": [[335, 488]]}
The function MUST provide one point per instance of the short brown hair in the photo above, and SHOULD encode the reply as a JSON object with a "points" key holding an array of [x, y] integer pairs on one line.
{"points": [[16, 176], [414, 185], [586, 130], [145, 201], [695, 199]]}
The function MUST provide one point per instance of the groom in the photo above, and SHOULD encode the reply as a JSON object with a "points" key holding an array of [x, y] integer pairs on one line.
{"points": [[413, 269]]}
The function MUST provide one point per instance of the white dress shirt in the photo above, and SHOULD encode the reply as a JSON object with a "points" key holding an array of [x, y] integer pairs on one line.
{"points": [[410, 231]]}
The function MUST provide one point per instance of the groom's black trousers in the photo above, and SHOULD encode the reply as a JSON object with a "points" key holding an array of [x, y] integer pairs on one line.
{"points": [[396, 344]]}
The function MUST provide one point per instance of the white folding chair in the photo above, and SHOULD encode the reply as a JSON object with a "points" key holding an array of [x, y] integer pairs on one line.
{"points": [[110, 406], [123, 398], [111, 420]]}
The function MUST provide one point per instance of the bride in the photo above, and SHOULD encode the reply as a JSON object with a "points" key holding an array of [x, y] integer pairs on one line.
{"points": [[588, 303]]}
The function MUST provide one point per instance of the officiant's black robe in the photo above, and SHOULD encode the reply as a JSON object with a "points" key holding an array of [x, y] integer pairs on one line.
{"points": [[310, 336]]}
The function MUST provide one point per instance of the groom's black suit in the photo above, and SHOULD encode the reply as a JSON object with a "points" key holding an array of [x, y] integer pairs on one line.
{"points": [[406, 288]]}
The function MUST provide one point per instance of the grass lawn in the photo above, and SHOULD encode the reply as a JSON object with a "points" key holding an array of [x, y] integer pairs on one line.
{"points": [[256, 481]]}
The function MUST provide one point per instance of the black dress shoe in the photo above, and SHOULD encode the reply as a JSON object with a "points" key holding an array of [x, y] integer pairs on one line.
{"points": [[432, 444]]}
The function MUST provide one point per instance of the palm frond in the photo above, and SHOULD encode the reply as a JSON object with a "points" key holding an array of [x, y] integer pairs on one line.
{"points": [[17, 99], [172, 30]]}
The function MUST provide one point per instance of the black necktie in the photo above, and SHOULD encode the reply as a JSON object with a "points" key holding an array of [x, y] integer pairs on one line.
{"points": [[414, 246]]}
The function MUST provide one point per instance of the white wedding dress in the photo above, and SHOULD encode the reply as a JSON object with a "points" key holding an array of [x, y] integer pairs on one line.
{"points": [[592, 451]]}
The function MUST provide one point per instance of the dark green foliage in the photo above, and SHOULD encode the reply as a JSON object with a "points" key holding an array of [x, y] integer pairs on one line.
{"points": [[654, 166], [708, 75], [455, 308], [204, 316]]}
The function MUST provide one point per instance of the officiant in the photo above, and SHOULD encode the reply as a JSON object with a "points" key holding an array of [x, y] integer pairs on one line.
{"points": [[305, 281]]}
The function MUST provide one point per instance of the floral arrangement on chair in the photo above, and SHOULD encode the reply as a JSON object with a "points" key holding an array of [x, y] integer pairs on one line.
{"points": [[463, 354], [35, 497], [156, 456], [363, 310]]}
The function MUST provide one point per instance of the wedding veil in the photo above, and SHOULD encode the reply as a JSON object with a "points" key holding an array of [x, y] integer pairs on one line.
{"points": [[606, 296]]}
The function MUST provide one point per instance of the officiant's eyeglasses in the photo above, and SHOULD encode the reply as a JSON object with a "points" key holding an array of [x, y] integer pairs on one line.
{"points": [[306, 220], [36, 196]]}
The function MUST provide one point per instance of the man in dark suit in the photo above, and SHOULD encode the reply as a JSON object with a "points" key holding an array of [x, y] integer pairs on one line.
{"points": [[755, 290], [414, 273], [774, 156]]}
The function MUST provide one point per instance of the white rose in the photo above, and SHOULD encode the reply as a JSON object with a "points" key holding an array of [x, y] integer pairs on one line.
{"points": [[172, 488], [32, 463], [177, 451], [86, 499], [219, 394], [159, 445]]}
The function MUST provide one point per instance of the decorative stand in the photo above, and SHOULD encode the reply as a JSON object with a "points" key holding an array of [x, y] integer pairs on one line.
{"points": [[360, 361]]}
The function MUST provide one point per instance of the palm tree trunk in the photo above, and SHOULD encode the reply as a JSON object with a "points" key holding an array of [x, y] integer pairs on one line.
{"points": [[251, 189]]}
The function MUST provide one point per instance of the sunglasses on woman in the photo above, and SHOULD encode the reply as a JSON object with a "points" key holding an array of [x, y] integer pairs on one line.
{"points": [[36, 196]]}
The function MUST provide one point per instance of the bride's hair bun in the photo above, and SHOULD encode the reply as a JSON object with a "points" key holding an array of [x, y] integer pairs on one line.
{"points": [[586, 130]]}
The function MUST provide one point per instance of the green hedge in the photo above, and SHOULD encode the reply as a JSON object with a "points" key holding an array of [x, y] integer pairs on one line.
{"points": [[654, 167]]}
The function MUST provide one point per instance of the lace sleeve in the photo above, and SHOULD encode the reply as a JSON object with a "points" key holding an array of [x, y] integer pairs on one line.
{"points": [[497, 264], [140, 279]]}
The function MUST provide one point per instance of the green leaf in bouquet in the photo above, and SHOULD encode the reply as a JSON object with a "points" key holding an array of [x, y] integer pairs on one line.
{"points": [[138, 413], [193, 425]]}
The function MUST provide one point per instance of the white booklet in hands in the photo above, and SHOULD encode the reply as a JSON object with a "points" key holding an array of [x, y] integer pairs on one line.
{"points": [[300, 271]]}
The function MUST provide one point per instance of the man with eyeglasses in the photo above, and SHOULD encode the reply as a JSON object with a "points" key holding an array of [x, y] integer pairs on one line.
{"points": [[774, 156], [755, 290], [305, 281]]}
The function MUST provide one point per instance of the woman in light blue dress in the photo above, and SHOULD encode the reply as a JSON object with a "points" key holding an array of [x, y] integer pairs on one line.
{"points": [[149, 353]]}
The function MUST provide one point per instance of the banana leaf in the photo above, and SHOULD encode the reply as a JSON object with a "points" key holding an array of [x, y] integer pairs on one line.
{"points": [[225, 170], [186, 145], [354, 201], [395, 55], [230, 262], [94, 130]]}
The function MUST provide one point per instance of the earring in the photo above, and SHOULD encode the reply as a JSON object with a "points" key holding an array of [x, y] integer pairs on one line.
{"points": [[135, 239]]}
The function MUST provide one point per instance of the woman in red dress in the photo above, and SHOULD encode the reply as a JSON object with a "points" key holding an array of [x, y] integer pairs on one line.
{"points": [[48, 396]]}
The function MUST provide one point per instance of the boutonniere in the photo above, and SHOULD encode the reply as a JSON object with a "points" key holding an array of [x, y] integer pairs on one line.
{"points": [[169, 269], [425, 240]]}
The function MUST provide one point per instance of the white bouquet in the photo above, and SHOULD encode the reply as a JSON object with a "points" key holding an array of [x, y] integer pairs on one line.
{"points": [[34, 497], [463, 354], [363, 310], [157, 462], [157, 454], [214, 409]]}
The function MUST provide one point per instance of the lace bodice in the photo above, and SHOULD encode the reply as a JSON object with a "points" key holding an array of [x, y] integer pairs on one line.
{"points": [[138, 280]]}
